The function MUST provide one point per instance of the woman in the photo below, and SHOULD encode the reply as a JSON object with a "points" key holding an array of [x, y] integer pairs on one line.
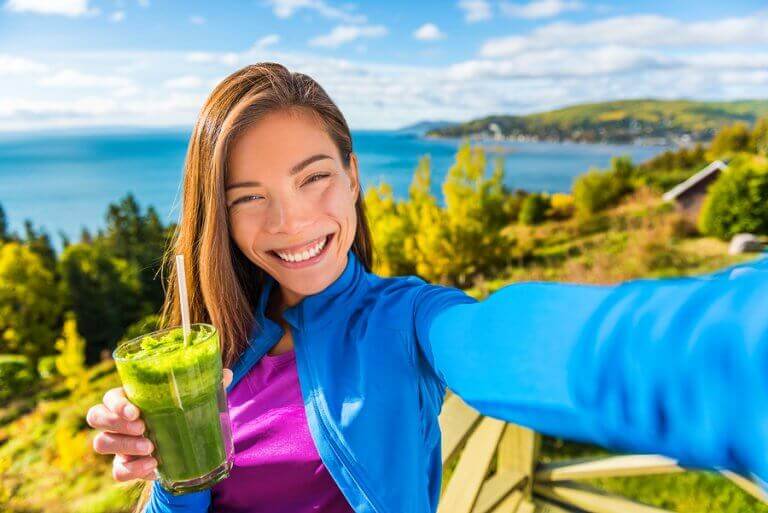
{"points": [[339, 374]]}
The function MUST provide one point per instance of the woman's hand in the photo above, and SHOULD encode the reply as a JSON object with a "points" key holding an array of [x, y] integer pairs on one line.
{"points": [[121, 433]]}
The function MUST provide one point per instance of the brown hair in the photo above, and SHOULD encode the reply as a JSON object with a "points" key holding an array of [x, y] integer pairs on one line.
{"points": [[223, 285]]}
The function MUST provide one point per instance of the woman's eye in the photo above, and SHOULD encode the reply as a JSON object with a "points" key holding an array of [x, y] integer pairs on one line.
{"points": [[245, 199], [316, 177]]}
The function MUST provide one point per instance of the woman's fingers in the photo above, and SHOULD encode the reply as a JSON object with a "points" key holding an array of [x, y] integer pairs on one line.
{"points": [[116, 402], [112, 443], [127, 468], [101, 418], [227, 377]]}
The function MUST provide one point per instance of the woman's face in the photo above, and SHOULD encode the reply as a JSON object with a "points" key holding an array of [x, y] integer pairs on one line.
{"points": [[291, 203]]}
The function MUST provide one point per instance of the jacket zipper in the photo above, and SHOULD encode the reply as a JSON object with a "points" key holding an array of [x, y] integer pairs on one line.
{"points": [[329, 438]]}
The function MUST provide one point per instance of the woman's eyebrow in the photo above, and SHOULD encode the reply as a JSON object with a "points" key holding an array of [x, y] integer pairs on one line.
{"points": [[295, 169]]}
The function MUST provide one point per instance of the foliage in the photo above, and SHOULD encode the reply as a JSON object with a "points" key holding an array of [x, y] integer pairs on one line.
{"points": [[561, 206], [736, 203], [46, 367], [729, 141], [597, 190], [102, 291], [30, 303], [70, 362], [759, 140], [534, 209], [16, 374]]}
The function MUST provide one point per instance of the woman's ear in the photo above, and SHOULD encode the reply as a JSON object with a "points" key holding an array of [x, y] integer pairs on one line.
{"points": [[354, 175]]}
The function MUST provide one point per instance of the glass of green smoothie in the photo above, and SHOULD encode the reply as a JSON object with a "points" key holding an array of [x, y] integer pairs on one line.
{"points": [[183, 403]]}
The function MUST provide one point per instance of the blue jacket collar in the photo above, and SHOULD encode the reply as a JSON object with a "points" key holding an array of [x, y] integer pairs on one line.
{"points": [[317, 309]]}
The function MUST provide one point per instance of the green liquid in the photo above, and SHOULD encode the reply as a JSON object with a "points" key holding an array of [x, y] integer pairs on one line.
{"points": [[179, 392]]}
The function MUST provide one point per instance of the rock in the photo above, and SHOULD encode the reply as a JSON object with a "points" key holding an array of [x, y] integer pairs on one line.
{"points": [[744, 243]]}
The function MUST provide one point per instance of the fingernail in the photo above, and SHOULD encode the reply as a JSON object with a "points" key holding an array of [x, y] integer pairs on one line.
{"points": [[137, 428], [131, 412], [149, 465], [145, 446]]}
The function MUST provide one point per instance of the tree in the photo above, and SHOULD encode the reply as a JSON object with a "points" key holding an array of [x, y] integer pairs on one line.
{"points": [[736, 203], [730, 140], [596, 190], [4, 235], [388, 230], [138, 238], [759, 140], [29, 302], [39, 242], [102, 291], [534, 209], [71, 347]]}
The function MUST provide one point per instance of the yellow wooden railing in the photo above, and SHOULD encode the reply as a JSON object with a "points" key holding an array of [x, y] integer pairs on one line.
{"points": [[520, 484]]}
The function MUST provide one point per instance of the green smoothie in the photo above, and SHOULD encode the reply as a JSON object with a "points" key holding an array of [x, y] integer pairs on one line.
{"points": [[182, 401]]}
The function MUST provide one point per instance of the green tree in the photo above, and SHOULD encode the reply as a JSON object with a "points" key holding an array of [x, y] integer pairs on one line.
{"points": [[103, 292], [16, 375], [730, 140], [138, 238], [4, 234], [389, 231], [38, 241], [30, 306], [534, 209], [736, 203], [759, 140], [70, 361], [596, 190]]}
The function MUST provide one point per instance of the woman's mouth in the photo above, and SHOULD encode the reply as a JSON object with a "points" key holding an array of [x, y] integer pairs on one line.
{"points": [[307, 256]]}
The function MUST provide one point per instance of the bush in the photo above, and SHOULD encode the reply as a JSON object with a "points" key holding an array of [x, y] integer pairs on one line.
{"points": [[16, 374], [46, 367], [561, 206], [534, 209], [737, 203], [730, 140], [596, 190]]}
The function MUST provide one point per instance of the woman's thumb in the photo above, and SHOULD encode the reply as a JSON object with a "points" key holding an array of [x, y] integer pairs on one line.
{"points": [[227, 377]]}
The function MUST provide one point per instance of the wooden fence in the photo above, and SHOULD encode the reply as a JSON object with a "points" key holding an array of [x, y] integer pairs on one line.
{"points": [[520, 484]]}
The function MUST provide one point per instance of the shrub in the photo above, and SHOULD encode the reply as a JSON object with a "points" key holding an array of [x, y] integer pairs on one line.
{"points": [[737, 203], [561, 206], [534, 209], [596, 190], [16, 374]]}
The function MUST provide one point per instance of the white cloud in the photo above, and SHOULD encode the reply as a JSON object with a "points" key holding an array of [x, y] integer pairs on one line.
{"points": [[287, 8], [271, 39], [71, 78], [428, 32], [345, 33], [12, 65], [540, 8], [117, 16], [225, 58], [641, 31], [71, 8], [197, 20], [184, 82], [475, 10]]}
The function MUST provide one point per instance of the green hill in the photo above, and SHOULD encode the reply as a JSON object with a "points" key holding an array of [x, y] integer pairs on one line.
{"points": [[617, 121]]}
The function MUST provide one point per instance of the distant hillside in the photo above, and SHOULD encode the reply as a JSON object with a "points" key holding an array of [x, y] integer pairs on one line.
{"points": [[425, 126], [619, 121]]}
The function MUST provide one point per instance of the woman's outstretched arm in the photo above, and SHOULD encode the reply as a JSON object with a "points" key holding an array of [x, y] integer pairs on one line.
{"points": [[676, 366]]}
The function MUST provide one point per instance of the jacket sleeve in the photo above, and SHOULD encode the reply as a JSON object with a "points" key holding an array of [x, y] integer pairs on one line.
{"points": [[673, 366], [162, 501]]}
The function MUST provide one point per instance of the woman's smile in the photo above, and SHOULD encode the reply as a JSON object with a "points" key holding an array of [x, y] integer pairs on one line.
{"points": [[305, 255]]}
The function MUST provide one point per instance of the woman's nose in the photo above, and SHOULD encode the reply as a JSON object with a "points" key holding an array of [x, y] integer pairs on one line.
{"points": [[287, 216]]}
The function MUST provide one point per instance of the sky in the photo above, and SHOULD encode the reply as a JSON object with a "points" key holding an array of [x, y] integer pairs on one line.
{"points": [[90, 63]]}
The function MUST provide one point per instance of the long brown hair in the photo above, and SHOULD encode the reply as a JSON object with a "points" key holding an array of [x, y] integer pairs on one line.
{"points": [[223, 285]]}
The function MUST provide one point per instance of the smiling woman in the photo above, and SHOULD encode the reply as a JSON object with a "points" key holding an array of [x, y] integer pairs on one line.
{"points": [[338, 375]]}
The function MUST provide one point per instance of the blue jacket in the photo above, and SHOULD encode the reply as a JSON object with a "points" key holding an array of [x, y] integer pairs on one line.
{"points": [[677, 367]]}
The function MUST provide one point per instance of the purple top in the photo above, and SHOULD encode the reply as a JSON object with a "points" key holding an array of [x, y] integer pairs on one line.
{"points": [[277, 468]]}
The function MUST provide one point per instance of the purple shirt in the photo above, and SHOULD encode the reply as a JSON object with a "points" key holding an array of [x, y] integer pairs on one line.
{"points": [[277, 468]]}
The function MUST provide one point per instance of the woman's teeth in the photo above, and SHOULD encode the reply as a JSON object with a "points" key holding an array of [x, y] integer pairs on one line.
{"points": [[304, 255]]}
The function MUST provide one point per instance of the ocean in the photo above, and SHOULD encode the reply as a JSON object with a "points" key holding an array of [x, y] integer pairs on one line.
{"points": [[63, 181]]}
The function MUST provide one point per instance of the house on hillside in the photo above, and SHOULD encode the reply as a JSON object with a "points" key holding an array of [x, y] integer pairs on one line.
{"points": [[690, 194]]}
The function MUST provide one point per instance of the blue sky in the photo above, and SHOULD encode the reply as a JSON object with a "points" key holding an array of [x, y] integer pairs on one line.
{"points": [[148, 62]]}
